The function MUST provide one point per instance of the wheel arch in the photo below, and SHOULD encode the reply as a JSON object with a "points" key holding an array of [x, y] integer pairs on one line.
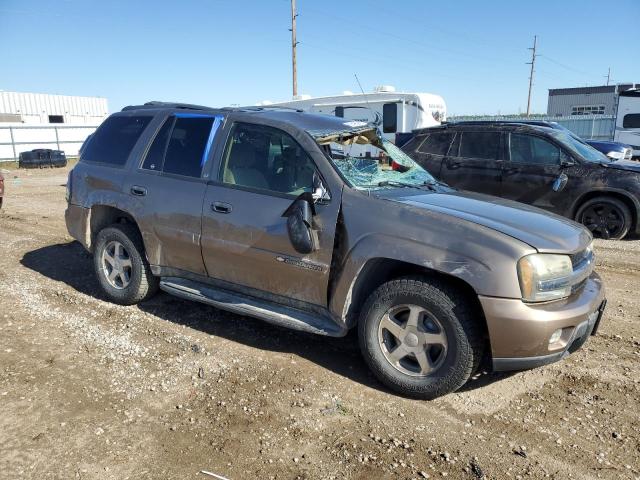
{"points": [[378, 271], [629, 201], [101, 216]]}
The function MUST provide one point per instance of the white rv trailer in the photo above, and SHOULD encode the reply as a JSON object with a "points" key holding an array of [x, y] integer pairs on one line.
{"points": [[627, 128], [395, 112]]}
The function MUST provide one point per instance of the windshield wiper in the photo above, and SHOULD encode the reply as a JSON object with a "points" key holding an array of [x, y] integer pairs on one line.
{"points": [[431, 185], [394, 183]]}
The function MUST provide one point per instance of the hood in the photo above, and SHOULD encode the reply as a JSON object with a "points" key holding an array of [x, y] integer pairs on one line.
{"points": [[603, 145], [541, 230], [628, 165]]}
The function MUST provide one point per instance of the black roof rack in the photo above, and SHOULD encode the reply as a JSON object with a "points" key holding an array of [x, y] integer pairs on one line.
{"points": [[188, 106], [156, 104], [502, 122], [491, 123], [263, 108]]}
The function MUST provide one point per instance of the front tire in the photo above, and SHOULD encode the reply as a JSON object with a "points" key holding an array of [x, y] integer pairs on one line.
{"points": [[606, 217], [420, 337], [121, 266]]}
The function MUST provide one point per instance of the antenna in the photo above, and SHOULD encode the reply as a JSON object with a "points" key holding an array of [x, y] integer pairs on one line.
{"points": [[362, 90], [366, 100]]}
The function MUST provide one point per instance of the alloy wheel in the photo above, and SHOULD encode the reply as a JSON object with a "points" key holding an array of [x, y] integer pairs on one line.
{"points": [[605, 220], [116, 265], [412, 340]]}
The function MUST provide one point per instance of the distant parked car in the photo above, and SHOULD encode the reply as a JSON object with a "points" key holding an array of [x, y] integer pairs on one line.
{"points": [[42, 157], [613, 150], [1, 189], [541, 166]]}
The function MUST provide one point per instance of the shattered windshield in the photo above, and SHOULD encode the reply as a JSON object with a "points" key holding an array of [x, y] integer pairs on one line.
{"points": [[369, 161]]}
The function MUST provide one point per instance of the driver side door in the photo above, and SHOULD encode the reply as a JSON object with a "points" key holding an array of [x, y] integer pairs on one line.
{"points": [[245, 241]]}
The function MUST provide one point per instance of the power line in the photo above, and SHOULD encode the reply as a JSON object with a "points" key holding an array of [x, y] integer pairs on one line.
{"points": [[294, 44], [533, 64]]}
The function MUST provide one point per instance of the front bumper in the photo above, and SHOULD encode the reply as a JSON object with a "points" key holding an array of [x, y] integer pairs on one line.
{"points": [[519, 332]]}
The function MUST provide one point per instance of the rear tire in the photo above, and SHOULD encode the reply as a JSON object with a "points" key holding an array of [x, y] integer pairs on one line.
{"points": [[420, 337], [606, 217], [121, 266]]}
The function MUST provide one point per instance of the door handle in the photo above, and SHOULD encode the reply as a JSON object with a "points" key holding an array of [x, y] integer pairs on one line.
{"points": [[221, 207], [138, 191], [452, 164]]}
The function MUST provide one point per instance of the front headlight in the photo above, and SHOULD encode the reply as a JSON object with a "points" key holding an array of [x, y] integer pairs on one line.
{"points": [[615, 155], [545, 277]]}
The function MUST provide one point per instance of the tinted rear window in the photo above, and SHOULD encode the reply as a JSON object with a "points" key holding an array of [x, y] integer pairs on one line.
{"points": [[480, 145], [113, 141], [185, 152], [437, 143]]}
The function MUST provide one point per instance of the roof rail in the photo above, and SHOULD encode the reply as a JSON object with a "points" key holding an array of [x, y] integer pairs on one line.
{"points": [[263, 108], [157, 104]]}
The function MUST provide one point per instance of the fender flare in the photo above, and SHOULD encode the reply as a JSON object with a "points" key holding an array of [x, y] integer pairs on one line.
{"points": [[467, 267], [604, 191]]}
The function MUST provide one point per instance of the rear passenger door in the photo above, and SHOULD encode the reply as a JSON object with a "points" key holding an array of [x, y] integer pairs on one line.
{"points": [[475, 162], [167, 188], [430, 149], [533, 166]]}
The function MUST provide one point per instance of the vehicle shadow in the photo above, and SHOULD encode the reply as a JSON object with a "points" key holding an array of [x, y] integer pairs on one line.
{"points": [[71, 264]]}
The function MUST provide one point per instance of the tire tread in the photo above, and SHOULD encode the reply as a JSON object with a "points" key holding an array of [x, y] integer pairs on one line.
{"points": [[450, 299]]}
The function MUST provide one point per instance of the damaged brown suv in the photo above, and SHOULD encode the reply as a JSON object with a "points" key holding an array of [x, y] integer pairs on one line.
{"points": [[320, 224]]}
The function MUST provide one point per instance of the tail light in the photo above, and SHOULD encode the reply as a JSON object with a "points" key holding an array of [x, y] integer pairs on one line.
{"points": [[67, 195]]}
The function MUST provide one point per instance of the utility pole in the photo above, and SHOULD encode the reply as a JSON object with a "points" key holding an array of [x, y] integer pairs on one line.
{"points": [[294, 43], [532, 63], [608, 75]]}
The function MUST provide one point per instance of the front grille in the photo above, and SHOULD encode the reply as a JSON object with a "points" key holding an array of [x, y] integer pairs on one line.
{"points": [[583, 263], [578, 258]]}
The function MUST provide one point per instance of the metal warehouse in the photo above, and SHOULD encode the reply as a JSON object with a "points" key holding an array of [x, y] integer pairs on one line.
{"points": [[601, 100], [41, 108]]}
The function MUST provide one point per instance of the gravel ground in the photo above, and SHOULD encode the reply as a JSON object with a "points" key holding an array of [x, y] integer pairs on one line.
{"points": [[92, 390]]}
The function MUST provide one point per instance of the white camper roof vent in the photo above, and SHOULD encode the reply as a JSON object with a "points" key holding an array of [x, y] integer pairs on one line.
{"points": [[384, 89]]}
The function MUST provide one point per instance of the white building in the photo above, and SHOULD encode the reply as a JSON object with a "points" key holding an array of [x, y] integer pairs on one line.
{"points": [[31, 121], [42, 108], [600, 100]]}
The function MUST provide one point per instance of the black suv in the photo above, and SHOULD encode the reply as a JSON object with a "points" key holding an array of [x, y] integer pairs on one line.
{"points": [[544, 167]]}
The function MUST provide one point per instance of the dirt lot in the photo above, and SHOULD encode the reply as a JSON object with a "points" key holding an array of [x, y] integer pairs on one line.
{"points": [[165, 389]]}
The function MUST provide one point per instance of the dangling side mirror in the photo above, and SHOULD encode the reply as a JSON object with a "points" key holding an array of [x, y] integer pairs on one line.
{"points": [[303, 237], [560, 182]]}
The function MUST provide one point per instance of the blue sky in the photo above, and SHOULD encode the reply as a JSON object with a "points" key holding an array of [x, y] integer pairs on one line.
{"points": [[222, 52]]}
